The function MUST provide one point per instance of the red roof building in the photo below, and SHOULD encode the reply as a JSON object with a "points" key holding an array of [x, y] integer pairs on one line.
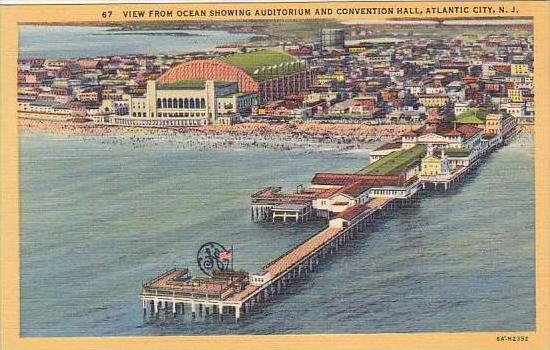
{"points": [[335, 179], [468, 131], [352, 212]]}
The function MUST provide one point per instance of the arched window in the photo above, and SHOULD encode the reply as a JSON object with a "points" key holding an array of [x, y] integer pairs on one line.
{"points": [[186, 103], [159, 103], [133, 114], [164, 104], [197, 103], [191, 103], [203, 103], [169, 103], [180, 103]]}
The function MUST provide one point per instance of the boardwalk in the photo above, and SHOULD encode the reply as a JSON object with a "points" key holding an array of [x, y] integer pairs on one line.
{"points": [[298, 253]]}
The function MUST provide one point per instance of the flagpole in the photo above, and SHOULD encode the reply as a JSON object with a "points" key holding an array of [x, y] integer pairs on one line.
{"points": [[232, 256]]}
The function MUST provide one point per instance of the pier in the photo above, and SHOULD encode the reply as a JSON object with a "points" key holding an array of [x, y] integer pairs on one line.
{"points": [[229, 293], [348, 201]]}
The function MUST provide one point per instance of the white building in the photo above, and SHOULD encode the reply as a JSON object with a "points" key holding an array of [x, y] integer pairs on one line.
{"points": [[336, 200], [187, 103], [462, 107], [516, 109]]}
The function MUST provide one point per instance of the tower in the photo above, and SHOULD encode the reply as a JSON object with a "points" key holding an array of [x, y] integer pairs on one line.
{"points": [[332, 39], [210, 92], [151, 100]]}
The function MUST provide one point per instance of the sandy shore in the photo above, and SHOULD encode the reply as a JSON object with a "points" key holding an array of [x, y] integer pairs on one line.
{"points": [[245, 135]]}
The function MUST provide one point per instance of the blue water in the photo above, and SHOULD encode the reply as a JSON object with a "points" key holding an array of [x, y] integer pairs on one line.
{"points": [[87, 41], [97, 218]]}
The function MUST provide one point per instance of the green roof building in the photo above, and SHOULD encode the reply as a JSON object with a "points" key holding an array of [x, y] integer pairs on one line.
{"points": [[396, 163], [273, 75], [265, 64], [475, 116]]}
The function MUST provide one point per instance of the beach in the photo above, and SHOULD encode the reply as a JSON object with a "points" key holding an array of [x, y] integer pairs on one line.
{"points": [[261, 135]]}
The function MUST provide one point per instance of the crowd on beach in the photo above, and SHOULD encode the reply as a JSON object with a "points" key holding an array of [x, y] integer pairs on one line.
{"points": [[276, 137]]}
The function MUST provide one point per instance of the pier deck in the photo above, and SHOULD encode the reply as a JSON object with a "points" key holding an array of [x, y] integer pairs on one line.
{"points": [[292, 258]]}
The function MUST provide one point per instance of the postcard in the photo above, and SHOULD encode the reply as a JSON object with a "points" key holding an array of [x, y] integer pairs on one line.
{"points": [[331, 175]]}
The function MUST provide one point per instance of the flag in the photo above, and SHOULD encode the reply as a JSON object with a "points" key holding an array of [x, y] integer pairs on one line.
{"points": [[225, 255]]}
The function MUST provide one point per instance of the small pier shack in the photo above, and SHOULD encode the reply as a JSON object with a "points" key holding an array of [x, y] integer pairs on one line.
{"points": [[271, 203]]}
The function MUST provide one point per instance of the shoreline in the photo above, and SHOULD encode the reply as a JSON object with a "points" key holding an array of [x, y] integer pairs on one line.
{"points": [[305, 136]]}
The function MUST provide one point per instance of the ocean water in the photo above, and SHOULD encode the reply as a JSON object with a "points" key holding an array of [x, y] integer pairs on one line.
{"points": [[98, 218], [91, 41]]}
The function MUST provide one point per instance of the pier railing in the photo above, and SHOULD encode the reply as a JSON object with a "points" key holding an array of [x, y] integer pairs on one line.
{"points": [[156, 279], [159, 292], [272, 189], [367, 212], [290, 250]]}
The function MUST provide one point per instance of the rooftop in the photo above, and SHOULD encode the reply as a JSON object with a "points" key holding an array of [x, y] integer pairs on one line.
{"points": [[329, 193], [473, 116], [389, 145], [355, 189], [189, 85], [264, 64], [453, 133], [468, 131], [335, 179], [352, 212], [178, 279], [289, 207], [394, 163], [457, 152]]}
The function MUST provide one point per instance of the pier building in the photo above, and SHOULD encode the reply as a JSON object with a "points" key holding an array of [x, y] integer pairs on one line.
{"points": [[338, 199], [464, 135], [404, 163], [271, 203], [434, 163], [385, 149], [177, 288]]}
